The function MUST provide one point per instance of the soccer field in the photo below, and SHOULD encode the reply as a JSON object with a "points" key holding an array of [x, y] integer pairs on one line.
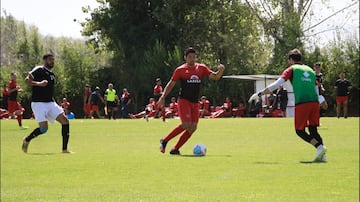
{"points": [[247, 159]]}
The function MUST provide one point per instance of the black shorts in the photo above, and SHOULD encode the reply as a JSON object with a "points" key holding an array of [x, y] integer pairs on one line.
{"points": [[111, 104]]}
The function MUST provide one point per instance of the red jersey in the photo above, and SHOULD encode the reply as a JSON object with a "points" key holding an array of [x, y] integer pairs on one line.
{"points": [[173, 106], [65, 105], [205, 105], [87, 93], [5, 92], [157, 89], [227, 106], [12, 95], [151, 106], [190, 78]]}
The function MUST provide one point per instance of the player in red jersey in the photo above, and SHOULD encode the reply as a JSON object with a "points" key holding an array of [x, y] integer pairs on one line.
{"points": [[189, 75], [172, 110], [226, 110], [87, 106], [65, 104], [158, 91], [204, 107], [14, 107], [149, 111]]}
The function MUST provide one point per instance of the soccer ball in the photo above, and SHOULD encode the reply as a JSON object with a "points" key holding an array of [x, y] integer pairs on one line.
{"points": [[199, 150]]}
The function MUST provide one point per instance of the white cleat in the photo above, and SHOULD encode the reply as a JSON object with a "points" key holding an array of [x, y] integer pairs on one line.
{"points": [[321, 149], [323, 159]]}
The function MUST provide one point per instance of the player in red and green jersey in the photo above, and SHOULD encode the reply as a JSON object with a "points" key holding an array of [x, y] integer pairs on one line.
{"points": [[307, 106], [189, 75]]}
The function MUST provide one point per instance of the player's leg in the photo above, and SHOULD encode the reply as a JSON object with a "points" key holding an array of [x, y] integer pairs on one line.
{"points": [[183, 109], [65, 130], [345, 106], [190, 128], [338, 106], [39, 110]]}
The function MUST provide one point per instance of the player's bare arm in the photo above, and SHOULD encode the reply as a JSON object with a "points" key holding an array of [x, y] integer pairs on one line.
{"points": [[29, 81], [218, 74]]}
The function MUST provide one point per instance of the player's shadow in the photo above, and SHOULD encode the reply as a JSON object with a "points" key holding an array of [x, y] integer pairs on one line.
{"points": [[42, 154], [315, 162]]}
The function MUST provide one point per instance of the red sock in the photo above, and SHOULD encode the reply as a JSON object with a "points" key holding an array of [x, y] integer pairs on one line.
{"points": [[19, 119], [184, 137], [176, 131]]}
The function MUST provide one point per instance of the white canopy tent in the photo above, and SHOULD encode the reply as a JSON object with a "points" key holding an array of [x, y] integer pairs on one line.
{"points": [[262, 80]]}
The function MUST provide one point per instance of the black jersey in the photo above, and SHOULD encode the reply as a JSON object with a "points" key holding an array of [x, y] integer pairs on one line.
{"points": [[342, 87], [43, 93]]}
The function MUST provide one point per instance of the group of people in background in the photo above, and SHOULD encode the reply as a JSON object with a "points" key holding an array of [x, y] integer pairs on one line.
{"points": [[92, 101], [273, 105]]}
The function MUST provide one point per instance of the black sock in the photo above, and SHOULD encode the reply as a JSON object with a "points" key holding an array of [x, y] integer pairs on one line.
{"points": [[36, 132], [65, 135], [303, 134], [314, 134]]}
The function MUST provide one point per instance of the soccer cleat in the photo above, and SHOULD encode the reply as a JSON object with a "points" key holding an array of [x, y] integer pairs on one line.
{"points": [[25, 145], [147, 118], [67, 151], [162, 145], [23, 127], [321, 149], [323, 159], [175, 152]]}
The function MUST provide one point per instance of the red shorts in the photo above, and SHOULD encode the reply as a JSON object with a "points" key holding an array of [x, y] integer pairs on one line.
{"points": [[188, 111], [14, 106], [342, 99], [307, 114], [87, 107], [94, 107]]}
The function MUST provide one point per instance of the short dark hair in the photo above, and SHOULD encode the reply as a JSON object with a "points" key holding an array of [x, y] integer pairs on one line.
{"points": [[47, 55], [295, 54], [189, 50]]}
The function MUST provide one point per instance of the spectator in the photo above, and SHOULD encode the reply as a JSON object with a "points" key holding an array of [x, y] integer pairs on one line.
{"points": [[94, 99], [281, 100], [321, 89], [225, 111], [14, 107], [4, 113], [5, 97], [65, 105], [125, 102], [87, 93], [172, 110], [149, 111], [204, 107], [342, 87], [239, 111]]}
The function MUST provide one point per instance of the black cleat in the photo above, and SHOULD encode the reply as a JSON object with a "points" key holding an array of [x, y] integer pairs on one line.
{"points": [[25, 145], [162, 145], [175, 152]]}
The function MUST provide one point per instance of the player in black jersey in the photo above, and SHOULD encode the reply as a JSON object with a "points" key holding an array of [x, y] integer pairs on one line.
{"points": [[43, 104]]}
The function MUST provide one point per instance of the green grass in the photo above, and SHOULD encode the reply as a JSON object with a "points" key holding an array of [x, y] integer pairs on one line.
{"points": [[247, 160]]}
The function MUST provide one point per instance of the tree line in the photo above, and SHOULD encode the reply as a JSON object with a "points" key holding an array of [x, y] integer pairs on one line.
{"points": [[131, 43]]}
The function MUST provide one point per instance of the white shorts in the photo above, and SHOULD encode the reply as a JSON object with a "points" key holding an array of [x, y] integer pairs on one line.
{"points": [[321, 99], [46, 111]]}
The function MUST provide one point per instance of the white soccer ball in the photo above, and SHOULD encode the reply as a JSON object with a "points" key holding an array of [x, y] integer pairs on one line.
{"points": [[199, 150]]}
